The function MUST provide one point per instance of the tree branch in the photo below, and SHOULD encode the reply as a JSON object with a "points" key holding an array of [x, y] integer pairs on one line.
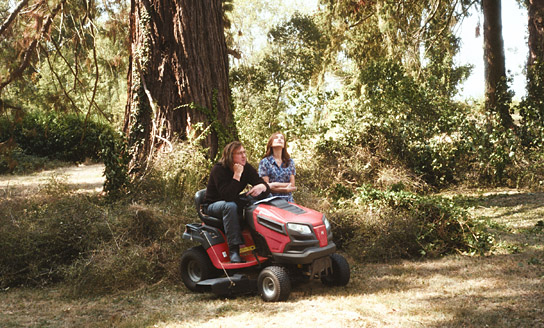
{"points": [[76, 78], [12, 16], [97, 77], [360, 21], [30, 50], [59, 80]]}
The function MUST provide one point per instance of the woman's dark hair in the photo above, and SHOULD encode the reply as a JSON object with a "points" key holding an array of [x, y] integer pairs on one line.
{"points": [[284, 154], [228, 152]]}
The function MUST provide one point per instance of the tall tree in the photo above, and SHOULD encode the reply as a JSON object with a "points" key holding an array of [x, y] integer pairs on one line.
{"points": [[497, 97], [533, 107], [178, 76], [536, 31]]}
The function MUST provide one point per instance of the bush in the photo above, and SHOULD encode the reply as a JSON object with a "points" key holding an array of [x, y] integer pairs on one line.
{"points": [[65, 137], [14, 160], [175, 174], [116, 160], [93, 246], [38, 239], [381, 225]]}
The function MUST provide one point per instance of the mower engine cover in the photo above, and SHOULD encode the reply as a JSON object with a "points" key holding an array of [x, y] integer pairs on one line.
{"points": [[293, 233]]}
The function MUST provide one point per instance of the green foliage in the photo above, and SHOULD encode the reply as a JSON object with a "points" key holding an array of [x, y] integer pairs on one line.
{"points": [[80, 67], [15, 161], [296, 54], [175, 174], [64, 137], [400, 120], [39, 239], [114, 155], [496, 150], [265, 93], [531, 109], [378, 225], [93, 246]]}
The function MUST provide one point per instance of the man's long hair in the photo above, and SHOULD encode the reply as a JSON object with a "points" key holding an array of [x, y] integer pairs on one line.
{"points": [[228, 152], [284, 154]]}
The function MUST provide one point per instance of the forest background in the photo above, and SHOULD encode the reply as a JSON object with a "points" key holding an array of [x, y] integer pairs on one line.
{"points": [[366, 92]]}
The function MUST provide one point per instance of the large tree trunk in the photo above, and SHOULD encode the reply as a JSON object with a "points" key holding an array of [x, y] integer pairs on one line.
{"points": [[178, 75], [497, 97]]}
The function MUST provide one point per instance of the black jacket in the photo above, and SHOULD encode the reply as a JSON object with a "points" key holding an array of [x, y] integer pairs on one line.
{"points": [[221, 185]]}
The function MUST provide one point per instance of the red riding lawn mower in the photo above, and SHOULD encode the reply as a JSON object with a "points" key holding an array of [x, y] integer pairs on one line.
{"points": [[283, 243]]}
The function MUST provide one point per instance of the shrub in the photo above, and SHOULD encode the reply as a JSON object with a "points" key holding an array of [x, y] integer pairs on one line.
{"points": [[66, 137], [114, 154], [381, 225], [94, 246], [39, 238], [14, 160], [144, 248], [175, 174]]}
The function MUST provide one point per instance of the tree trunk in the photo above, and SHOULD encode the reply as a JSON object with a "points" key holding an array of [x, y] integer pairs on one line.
{"points": [[535, 62], [178, 76], [536, 31], [497, 97]]}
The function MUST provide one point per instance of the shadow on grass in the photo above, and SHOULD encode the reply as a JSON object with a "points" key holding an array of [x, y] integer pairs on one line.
{"points": [[506, 204], [499, 290]]}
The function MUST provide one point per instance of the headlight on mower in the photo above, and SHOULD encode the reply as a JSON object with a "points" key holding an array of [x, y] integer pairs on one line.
{"points": [[299, 228], [327, 224]]}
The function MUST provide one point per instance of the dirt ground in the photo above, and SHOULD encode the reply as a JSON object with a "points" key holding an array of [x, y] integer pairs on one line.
{"points": [[502, 289], [81, 178]]}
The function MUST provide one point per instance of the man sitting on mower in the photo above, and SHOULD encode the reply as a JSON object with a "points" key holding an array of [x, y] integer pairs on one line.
{"points": [[228, 179]]}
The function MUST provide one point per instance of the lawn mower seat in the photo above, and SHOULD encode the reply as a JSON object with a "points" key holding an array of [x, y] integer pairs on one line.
{"points": [[209, 220]]}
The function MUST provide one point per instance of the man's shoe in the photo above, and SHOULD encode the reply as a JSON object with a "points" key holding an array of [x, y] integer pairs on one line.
{"points": [[234, 252], [235, 258]]}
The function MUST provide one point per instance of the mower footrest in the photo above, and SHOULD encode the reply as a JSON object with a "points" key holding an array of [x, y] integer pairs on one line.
{"points": [[235, 284]]}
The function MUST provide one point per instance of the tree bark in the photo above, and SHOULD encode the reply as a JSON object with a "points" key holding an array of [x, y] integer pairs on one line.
{"points": [[178, 75], [496, 94], [535, 62]]}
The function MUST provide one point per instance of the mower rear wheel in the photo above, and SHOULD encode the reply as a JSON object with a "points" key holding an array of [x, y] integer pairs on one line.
{"points": [[340, 272], [274, 284], [195, 267]]}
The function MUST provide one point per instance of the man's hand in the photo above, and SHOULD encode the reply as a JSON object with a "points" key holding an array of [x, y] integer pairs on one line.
{"points": [[257, 190], [238, 170]]}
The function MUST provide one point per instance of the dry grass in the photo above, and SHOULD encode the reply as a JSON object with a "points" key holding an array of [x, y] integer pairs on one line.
{"points": [[503, 289]]}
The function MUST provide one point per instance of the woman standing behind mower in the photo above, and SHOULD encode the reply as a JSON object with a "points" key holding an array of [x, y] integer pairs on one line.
{"points": [[277, 168], [228, 179]]}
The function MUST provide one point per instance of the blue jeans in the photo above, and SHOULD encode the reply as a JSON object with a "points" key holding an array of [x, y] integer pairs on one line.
{"points": [[228, 211]]}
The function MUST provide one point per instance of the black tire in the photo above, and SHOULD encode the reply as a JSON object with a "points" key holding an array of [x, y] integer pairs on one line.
{"points": [[274, 284], [340, 272], [195, 267]]}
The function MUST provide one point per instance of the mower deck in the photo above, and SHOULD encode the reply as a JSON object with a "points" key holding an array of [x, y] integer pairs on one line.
{"points": [[235, 284]]}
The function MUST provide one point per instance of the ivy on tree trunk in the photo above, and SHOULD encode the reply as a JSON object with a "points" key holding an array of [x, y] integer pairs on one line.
{"points": [[178, 76], [497, 97]]}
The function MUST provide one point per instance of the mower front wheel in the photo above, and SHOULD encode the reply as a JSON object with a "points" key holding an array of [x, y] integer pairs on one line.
{"points": [[195, 267], [274, 284], [340, 272]]}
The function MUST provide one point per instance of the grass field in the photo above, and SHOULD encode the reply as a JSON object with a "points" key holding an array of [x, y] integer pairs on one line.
{"points": [[502, 289]]}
